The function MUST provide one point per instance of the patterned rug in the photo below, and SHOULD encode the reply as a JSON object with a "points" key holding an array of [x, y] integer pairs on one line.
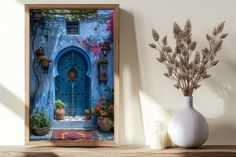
{"points": [[61, 134]]}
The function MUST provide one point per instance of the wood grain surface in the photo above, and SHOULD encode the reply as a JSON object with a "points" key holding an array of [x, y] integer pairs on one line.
{"points": [[122, 151]]}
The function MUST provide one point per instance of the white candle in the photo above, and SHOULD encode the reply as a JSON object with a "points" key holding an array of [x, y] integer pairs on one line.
{"points": [[164, 116], [157, 138]]}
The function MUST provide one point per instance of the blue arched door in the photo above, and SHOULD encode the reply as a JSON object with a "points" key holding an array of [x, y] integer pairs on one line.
{"points": [[72, 83]]}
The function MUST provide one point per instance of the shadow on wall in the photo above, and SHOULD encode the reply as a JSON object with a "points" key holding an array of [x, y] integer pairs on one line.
{"points": [[11, 101], [131, 121], [225, 87]]}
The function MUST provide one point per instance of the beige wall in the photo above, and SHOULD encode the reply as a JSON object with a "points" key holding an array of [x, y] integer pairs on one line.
{"points": [[143, 88]]}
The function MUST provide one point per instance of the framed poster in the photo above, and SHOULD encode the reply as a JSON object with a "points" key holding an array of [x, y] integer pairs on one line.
{"points": [[72, 74]]}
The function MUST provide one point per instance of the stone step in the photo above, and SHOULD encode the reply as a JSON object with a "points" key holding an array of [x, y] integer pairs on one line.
{"points": [[73, 123]]}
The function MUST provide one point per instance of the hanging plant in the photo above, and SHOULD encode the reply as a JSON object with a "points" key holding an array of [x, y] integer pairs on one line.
{"points": [[39, 52], [44, 62], [70, 14], [105, 48], [103, 60]]}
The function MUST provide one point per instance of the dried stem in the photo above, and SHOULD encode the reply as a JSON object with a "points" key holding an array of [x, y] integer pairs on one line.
{"points": [[186, 66]]}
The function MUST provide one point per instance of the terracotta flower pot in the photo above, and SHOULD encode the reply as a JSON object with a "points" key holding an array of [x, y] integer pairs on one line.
{"points": [[87, 116], [41, 131], [104, 124], [40, 52], [45, 63], [59, 113]]}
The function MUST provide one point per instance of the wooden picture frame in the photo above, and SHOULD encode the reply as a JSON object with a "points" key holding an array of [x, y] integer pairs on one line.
{"points": [[28, 71]]}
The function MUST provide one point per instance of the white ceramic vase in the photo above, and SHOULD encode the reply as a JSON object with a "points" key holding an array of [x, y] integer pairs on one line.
{"points": [[188, 128]]}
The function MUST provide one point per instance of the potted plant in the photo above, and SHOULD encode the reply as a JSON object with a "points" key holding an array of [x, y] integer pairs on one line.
{"points": [[104, 110], [87, 114], [40, 52], [40, 123], [44, 62], [105, 122], [188, 68], [105, 47], [60, 109], [104, 114], [103, 60]]}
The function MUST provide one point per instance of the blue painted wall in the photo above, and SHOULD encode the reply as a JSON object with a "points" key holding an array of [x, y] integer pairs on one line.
{"points": [[59, 40]]}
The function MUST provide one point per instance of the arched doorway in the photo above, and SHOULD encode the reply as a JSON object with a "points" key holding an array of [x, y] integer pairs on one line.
{"points": [[72, 82]]}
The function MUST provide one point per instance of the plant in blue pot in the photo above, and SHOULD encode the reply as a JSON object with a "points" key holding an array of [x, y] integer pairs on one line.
{"points": [[188, 67]]}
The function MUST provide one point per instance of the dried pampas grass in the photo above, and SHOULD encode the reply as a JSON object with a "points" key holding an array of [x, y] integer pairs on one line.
{"points": [[186, 66]]}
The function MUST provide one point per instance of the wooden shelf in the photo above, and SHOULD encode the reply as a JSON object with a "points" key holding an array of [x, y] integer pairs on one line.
{"points": [[122, 151]]}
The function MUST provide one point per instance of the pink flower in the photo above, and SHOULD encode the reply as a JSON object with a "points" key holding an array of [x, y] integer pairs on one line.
{"points": [[96, 50], [110, 24]]}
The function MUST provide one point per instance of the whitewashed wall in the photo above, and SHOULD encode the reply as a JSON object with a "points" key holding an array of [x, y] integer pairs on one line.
{"points": [[142, 86]]}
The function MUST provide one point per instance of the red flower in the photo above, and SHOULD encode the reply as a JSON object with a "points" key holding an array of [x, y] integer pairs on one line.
{"points": [[98, 107], [110, 107], [103, 98]]}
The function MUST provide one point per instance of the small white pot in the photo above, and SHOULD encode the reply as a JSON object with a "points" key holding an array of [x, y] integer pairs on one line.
{"points": [[188, 128]]}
